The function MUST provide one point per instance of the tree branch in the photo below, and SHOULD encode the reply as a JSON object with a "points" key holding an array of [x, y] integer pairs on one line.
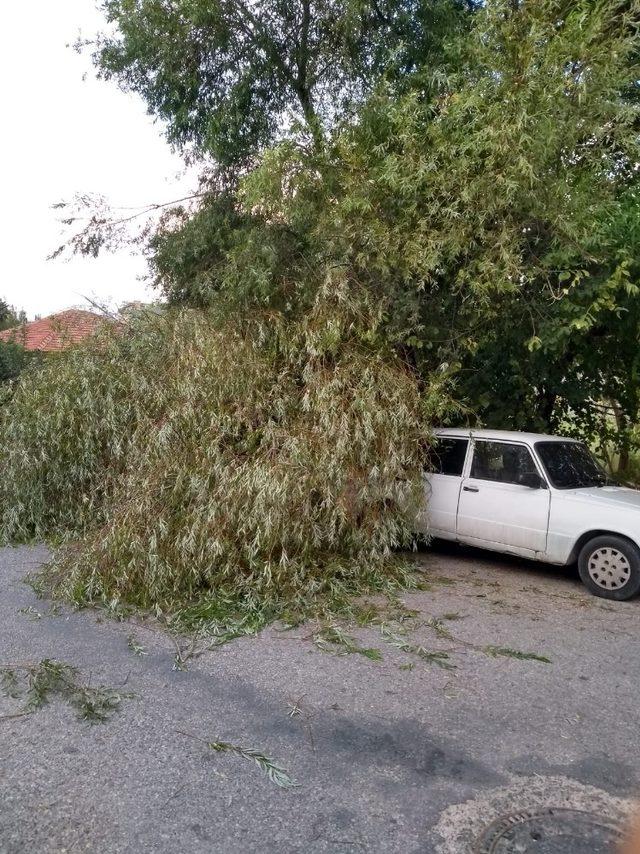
{"points": [[264, 39]]}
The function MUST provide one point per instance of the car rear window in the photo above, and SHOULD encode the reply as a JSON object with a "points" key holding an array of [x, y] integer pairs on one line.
{"points": [[447, 456]]}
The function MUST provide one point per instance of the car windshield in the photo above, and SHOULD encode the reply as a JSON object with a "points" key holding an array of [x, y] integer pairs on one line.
{"points": [[570, 465]]}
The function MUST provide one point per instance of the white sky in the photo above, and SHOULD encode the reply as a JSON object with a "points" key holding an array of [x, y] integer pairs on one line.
{"points": [[62, 135]]}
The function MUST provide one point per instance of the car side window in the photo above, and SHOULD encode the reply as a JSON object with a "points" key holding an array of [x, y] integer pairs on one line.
{"points": [[447, 456], [501, 462]]}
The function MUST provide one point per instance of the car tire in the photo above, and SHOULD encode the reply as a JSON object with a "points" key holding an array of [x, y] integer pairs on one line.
{"points": [[609, 567]]}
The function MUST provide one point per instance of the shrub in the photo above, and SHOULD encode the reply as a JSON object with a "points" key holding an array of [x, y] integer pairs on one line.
{"points": [[13, 360]]}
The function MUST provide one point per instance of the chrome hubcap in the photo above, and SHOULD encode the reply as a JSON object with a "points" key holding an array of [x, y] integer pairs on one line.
{"points": [[609, 568]]}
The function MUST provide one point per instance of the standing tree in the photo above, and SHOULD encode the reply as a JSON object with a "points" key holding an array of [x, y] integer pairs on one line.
{"points": [[9, 316], [229, 77], [473, 165], [13, 357]]}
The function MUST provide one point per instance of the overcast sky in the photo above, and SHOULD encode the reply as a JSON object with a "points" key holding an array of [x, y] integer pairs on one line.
{"points": [[62, 135]]}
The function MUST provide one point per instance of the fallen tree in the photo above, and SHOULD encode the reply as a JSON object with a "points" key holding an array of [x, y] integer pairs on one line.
{"points": [[189, 454]]}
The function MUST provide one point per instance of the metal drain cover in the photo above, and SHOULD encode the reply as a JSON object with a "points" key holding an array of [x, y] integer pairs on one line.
{"points": [[549, 831]]}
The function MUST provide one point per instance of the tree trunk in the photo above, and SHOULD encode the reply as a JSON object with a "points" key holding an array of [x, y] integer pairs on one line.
{"points": [[546, 405], [622, 424], [311, 117]]}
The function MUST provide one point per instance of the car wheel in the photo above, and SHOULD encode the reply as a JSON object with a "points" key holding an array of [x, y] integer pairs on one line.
{"points": [[610, 567]]}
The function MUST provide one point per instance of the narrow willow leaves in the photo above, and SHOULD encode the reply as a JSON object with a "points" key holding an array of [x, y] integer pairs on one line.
{"points": [[184, 454], [275, 773]]}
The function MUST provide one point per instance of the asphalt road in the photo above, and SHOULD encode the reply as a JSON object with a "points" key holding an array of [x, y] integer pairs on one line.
{"points": [[389, 757]]}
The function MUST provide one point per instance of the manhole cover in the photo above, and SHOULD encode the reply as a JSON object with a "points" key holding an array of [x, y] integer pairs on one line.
{"points": [[549, 831]]}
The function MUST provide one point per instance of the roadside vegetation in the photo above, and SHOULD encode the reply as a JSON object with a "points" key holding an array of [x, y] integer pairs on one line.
{"points": [[13, 356], [409, 213]]}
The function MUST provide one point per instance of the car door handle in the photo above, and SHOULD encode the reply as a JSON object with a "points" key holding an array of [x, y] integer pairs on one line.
{"points": [[470, 489]]}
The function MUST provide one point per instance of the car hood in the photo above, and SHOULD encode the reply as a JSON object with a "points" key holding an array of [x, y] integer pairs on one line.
{"points": [[618, 497]]}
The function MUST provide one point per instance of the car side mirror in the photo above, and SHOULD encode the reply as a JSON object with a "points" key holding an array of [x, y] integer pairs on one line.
{"points": [[531, 479]]}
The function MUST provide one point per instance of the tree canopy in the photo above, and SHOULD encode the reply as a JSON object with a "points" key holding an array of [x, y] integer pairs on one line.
{"points": [[13, 356], [10, 316], [474, 166], [230, 77]]}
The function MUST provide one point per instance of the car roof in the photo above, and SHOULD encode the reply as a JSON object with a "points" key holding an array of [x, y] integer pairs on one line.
{"points": [[500, 435]]}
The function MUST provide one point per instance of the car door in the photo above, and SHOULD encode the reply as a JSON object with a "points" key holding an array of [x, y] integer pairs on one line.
{"points": [[442, 486], [495, 509]]}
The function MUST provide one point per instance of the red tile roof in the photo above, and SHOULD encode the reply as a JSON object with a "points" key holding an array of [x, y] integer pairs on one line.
{"points": [[56, 332]]}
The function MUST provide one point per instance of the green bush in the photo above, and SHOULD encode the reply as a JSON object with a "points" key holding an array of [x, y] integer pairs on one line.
{"points": [[187, 455], [13, 360]]}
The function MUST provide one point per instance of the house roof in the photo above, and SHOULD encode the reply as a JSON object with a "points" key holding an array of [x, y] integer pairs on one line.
{"points": [[56, 332]]}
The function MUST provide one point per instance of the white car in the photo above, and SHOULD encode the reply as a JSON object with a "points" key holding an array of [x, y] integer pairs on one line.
{"points": [[540, 497]]}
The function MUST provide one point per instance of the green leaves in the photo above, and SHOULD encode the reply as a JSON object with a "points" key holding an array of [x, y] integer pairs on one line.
{"points": [[135, 646], [232, 76], [334, 640], [37, 683], [399, 641], [13, 360], [471, 166], [503, 651], [274, 772], [248, 463], [468, 231]]}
